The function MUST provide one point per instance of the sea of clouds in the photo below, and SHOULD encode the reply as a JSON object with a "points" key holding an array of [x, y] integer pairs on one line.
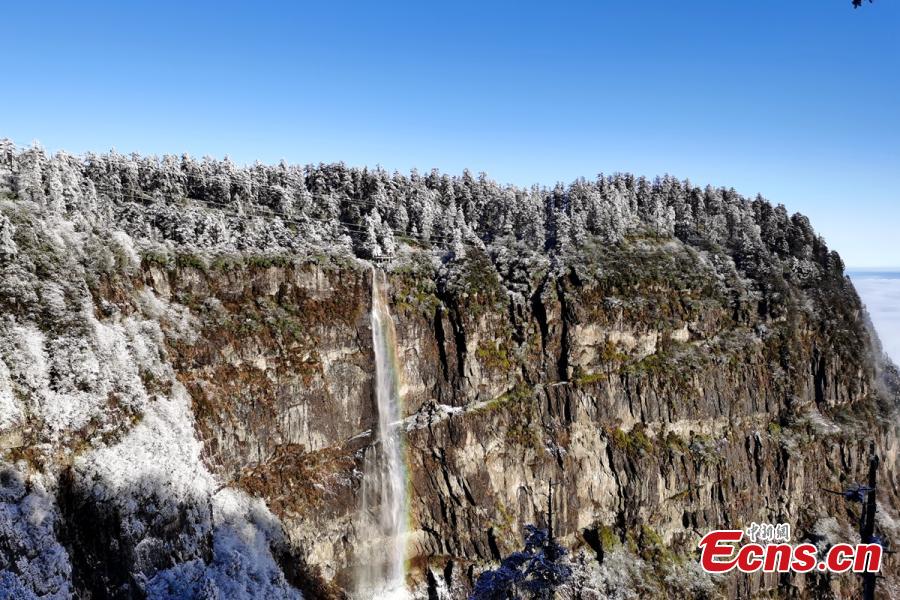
{"points": [[881, 294]]}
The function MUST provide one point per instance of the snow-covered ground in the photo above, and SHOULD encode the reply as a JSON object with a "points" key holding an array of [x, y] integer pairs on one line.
{"points": [[880, 291], [79, 382]]}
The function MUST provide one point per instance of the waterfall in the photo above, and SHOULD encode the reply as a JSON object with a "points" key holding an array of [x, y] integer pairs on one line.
{"points": [[382, 527]]}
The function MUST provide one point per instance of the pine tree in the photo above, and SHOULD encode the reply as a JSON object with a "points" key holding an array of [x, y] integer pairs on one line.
{"points": [[536, 571]]}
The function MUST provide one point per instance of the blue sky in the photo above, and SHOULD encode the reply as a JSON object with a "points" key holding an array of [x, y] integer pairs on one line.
{"points": [[797, 100]]}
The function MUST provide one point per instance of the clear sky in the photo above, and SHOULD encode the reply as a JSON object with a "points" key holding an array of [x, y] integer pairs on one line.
{"points": [[797, 100]]}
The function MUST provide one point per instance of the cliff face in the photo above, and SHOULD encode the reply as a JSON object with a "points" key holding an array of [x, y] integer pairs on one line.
{"points": [[184, 402]]}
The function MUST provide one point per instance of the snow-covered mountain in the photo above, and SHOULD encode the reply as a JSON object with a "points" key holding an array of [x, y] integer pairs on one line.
{"points": [[186, 377]]}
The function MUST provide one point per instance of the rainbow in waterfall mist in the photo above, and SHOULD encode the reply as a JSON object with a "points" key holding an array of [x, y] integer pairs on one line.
{"points": [[382, 526]]}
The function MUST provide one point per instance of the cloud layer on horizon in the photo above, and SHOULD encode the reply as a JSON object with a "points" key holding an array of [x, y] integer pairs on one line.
{"points": [[881, 295]]}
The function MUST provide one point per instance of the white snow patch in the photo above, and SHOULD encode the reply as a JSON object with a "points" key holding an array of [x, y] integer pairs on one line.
{"points": [[10, 410], [160, 458], [183, 323], [27, 520], [126, 245], [161, 447]]}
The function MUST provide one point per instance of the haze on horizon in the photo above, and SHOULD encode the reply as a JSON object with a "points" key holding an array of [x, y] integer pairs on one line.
{"points": [[880, 292], [796, 101]]}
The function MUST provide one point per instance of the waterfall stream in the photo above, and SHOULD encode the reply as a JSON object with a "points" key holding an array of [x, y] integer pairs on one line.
{"points": [[381, 571]]}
